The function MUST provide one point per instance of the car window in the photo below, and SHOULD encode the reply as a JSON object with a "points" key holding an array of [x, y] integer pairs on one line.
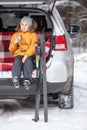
{"points": [[9, 20]]}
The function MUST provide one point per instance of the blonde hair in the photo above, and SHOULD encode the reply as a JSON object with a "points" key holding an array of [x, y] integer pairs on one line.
{"points": [[32, 28]]}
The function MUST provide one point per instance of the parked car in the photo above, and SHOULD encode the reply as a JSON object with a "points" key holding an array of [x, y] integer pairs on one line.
{"points": [[58, 50]]}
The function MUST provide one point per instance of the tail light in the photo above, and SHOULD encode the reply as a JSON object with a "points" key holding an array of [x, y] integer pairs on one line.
{"points": [[60, 42]]}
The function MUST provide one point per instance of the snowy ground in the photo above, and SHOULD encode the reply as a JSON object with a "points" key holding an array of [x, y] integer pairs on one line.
{"points": [[17, 115]]}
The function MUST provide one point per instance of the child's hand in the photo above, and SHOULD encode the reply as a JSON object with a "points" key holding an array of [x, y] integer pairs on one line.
{"points": [[18, 38], [24, 58], [16, 41]]}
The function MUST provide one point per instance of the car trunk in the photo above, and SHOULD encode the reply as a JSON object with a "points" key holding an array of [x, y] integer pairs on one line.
{"points": [[9, 20]]}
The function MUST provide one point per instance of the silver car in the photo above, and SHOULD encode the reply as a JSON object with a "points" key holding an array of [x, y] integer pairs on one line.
{"points": [[56, 65]]}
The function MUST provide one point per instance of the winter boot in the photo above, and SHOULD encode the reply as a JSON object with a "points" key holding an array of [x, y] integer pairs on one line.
{"points": [[16, 82], [27, 84]]}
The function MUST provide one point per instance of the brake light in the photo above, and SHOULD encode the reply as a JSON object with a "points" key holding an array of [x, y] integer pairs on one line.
{"points": [[60, 43]]}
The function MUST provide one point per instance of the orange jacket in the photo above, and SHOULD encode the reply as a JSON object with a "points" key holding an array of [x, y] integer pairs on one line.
{"points": [[26, 46]]}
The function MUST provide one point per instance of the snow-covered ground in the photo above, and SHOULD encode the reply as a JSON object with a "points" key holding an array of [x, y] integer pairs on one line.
{"points": [[18, 115]]}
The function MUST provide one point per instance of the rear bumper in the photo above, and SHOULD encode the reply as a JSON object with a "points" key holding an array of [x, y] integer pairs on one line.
{"points": [[7, 89]]}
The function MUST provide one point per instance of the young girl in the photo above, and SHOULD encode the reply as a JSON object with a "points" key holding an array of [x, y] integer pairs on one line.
{"points": [[23, 46]]}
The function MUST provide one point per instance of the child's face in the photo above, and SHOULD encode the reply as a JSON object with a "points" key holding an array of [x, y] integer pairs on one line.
{"points": [[24, 27]]}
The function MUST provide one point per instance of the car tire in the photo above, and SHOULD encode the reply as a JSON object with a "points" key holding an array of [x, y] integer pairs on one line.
{"points": [[65, 101]]}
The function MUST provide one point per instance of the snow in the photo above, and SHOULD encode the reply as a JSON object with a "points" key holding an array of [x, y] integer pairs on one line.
{"points": [[18, 115]]}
